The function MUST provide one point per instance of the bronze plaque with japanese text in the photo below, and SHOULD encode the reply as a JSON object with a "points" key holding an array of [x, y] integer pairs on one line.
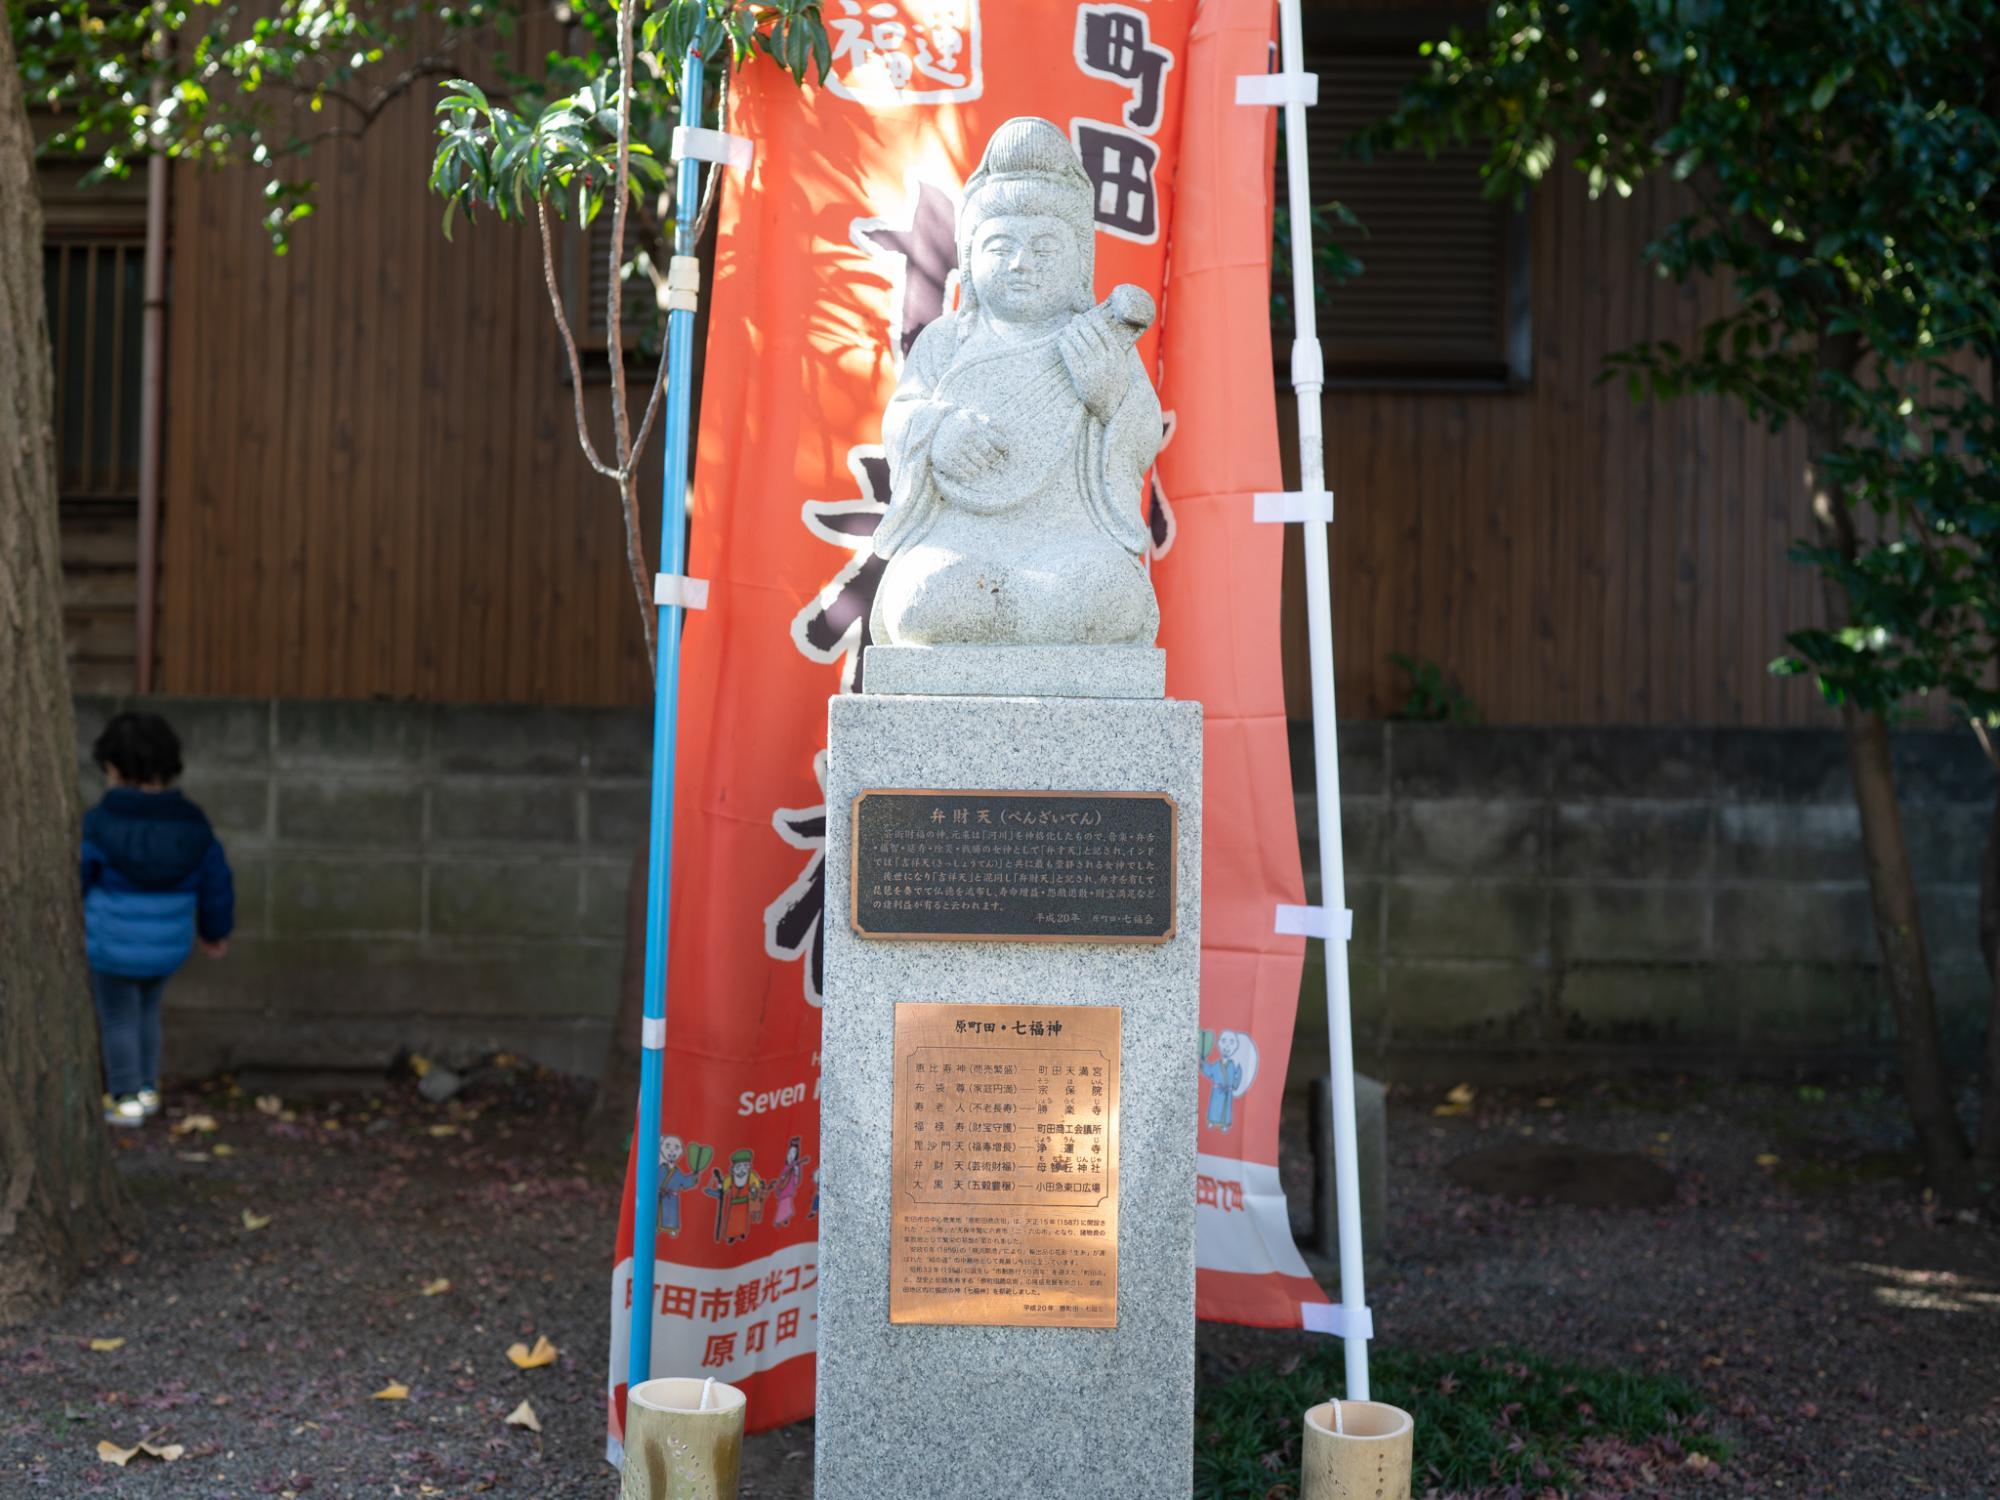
{"points": [[1020, 866], [1005, 1207]]}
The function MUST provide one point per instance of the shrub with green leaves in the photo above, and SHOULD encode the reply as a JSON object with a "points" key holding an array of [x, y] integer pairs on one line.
{"points": [[1839, 171]]}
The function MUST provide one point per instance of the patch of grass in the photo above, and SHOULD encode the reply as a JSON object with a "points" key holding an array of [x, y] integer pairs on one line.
{"points": [[1486, 1419], [1841, 1170]]}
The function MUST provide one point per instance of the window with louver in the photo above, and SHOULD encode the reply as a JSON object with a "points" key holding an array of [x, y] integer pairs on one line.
{"points": [[95, 303], [589, 278], [93, 261], [1443, 295]]}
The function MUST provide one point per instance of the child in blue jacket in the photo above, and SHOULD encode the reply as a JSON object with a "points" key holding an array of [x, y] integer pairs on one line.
{"points": [[155, 882]]}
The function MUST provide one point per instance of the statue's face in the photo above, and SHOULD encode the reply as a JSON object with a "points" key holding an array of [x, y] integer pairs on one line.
{"points": [[1024, 269]]}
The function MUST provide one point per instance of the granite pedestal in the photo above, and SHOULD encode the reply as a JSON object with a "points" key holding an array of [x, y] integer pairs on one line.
{"points": [[1003, 1413]]}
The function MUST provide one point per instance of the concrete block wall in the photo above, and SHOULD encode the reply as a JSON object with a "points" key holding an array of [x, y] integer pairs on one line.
{"points": [[446, 879], [452, 879], [1538, 900]]}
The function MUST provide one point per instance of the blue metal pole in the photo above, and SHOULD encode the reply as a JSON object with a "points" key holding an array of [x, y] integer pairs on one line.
{"points": [[666, 701]]}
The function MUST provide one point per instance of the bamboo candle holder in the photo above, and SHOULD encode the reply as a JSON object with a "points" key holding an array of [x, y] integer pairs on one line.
{"points": [[1357, 1450], [683, 1440]]}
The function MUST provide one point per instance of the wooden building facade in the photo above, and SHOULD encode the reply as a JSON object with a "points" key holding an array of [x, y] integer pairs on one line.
{"points": [[372, 487]]}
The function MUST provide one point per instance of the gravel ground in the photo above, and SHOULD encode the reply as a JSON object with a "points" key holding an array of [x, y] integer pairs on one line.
{"points": [[1848, 1338]]}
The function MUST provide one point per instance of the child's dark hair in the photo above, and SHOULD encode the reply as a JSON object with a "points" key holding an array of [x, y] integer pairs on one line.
{"points": [[142, 748]]}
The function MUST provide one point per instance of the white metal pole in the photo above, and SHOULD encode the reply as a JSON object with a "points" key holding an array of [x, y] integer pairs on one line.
{"points": [[1308, 379]]}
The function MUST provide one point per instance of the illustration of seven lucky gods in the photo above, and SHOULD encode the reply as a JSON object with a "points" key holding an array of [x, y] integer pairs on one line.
{"points": [[1230, 1072], [1021, 429], [786, 1188], [736, 1197], [680, 1169]]}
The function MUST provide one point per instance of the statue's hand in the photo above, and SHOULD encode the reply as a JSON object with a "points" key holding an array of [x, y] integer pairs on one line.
{"points": [[1097, 363], [966, 446]]}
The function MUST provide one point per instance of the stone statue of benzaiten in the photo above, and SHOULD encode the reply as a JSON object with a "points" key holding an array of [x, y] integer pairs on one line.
{"points": [[1022, 428]]}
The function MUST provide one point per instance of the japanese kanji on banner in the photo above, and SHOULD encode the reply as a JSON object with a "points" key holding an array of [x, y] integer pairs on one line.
{"points": [[833, 254]]}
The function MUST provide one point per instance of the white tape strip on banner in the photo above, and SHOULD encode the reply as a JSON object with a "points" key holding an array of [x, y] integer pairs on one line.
{"points": [[653, 1033], [1294, 505], [1338, 1319], [1278, 88], [688, 593], [1313, 922], [695, 142]]}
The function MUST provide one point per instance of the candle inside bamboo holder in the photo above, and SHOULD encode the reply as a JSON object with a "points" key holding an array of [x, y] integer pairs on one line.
{"points": [[1357, 1450], [683, 1440]]}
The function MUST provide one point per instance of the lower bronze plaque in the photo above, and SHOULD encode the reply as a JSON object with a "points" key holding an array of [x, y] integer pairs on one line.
{"points": [[1005, 1209], [1055, 866]]}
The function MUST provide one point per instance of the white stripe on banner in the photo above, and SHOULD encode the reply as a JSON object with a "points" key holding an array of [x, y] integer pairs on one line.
{"points": [[730, 1322], [1240, 1223]]}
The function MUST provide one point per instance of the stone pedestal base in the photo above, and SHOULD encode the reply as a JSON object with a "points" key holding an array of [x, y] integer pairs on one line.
{"points": [[1003, 1413]]}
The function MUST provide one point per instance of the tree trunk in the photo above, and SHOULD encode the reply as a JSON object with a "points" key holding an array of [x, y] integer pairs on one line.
{"points": [[607, 1128], [1905, 966], [1892, 885], [60, 1199], [1989, 944]]}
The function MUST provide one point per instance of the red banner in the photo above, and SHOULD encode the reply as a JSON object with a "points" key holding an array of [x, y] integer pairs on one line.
{"points": [[833, 255]]}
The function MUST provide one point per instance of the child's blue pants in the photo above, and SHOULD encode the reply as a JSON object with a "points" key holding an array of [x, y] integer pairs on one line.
{"points": [[128, 1029]]}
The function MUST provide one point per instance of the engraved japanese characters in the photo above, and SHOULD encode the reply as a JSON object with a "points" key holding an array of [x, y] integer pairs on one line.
{"points": [[1022, 428]]}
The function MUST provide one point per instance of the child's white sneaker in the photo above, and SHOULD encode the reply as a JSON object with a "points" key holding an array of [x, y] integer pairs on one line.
{"points": [[127, 1112], [149, 1101]]}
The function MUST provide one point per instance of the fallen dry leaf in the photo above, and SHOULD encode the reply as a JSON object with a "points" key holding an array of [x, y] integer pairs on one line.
{"points": [[395, 1390], [1767, 1159], [255, 1221], [524, 1416], [105, 1346], [111, 1453], [444, 1130], [193, 1155], [435, 1288], [1458, 1101], [204, 1123], [419, 1064], [544, 1353], [225, 1150], [269, 1104]]}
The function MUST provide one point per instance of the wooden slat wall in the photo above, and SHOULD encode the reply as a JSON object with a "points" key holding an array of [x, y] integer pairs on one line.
{"points": [[373, 486], [1565, 554]]}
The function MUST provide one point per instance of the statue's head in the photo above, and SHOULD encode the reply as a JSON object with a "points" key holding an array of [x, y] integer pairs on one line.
{"points": [[1026, 236]]}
